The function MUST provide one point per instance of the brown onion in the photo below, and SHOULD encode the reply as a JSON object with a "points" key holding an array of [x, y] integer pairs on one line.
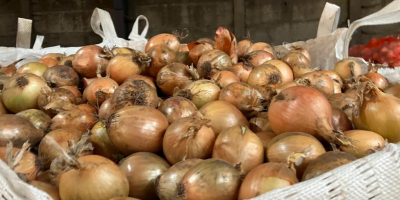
{"points": [[347, 69], [142, 170], [261, 46], [189, 137], [87, 81], [175, 75], [148, 79], [224, 78], [242, 70], [169, 40], [67, 60], [200, 92], [10, 69], [260, 123], [55, 56], [377, 79], [52, 191], [99, 90], [76, 92], [286, 71], [213, 61], [160, 56], [128, 64], [337, 81], [101, 142], [177, 107], [256, 58], [265, 178], [87, 59], [302, 51], [75, 118], [105, 110], [298, 62], [118, 51], [33, 67], [183, 47], [51, 100], [303, 109], [38, 118], [223, 115], [61, 75], [18, 130], [340, 121], [320, 82], [137, 128], [184, 58], [265, 75], [243, 46], [167, 182], [367, 142], [211, 179], [49, 62], [88, 108], [196, 49], [265, 137], [345, 101], [326, 162]]}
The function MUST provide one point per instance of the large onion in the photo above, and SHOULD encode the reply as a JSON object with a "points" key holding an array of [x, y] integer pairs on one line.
{"points": [[323, 83], [61, 75], [265, 178], [223, 115], [260, 123], [265, 75], [298, 62], [200, 92], [18, 130], [303, 109], [240, 147], [224, 78], [101, 142], [286, 71], [38, 118], [196, 49], [75, 118], [169, 40], [175, 75], [212, 179], [242, 70], [142, 170], [347, 69], [367, 142], [160, 56], [21, 92], [33, 67], [137, 128], [188, 137], [261, 46], [212, 61], [257, 58], [340, 121], [99, 90], [177, 107], [128, 64], [51, 100], [87, 59]]}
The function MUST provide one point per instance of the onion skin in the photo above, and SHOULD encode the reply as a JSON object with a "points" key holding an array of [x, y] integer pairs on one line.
{"points": [[49, 62], [149, 80], [101, 142], [286, 71], [298, 62], [377, 79], [345, 101], [76, 118], [88, 108], [347, 68], [76, 92], [320, 82], [337, 81], [326, 162], [196, 49], [107, 179], [129, 127], [105, 110], [18, 130], [167, 182], [224, 78], [265, 75], [212, 61], [67, 60], [33, 67], [51, 100], [125, 64], [61, 75], [223, 115], [142, 170], [340, 121], [242, 70], [368, 142], [38, 118], [160, 56], [302, 51], [189, 137], [256, 58], [265, 178], [200, 92], [52, 191], [172, 76], [99, 90], [260, 123], [211, 179], [169, 40], [21, 92], [183, 57], [240, 147], [261, 46], [265, 137], [28, 166], [177, 107], [87, 59], [243, 46]]}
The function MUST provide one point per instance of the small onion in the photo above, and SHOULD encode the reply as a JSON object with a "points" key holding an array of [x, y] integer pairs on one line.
{"points": [[212, 179], [142, 170], [67, 60], [286, 71], [61, 75], [302, 51], [243, 46], [177, 107], [49, 62], [33, 67], [52, 191], [256, 58], [298, 62], [188, 137], [325, 163], [200, 92], [105, 110], [38, 118], [167, 182], [320, 82], [137, 128], [87, 59], [347, 68], [169, 40], [51, 100], [223, 115], [265, 178], [174, 75], [99, 90], [75, 118], [213, 61], [127, 64], [367, 142], [377, 79], [224, 78], [148, 79], [28, 165], [160, 56], [265, 75], [17, 129], [260, 123], [261, 46], [340, 121], [242, 70], [101, 142], [196, 49]]}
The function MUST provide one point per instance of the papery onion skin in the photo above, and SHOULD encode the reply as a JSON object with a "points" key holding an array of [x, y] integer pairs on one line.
{"points": [[67, 60], [148, 79], [172, 76], [33, 67], [326, 162], [261, 46], [51, 190], [105, 177], [345, 101], [161, 56], [223, 115], [286, 71], [122, 67], [224, 78], [260, 123], [101, 142], [197, 50], [242, 70], [18, 130], [265, 178], [212, 61], [49, 62], [368, 142], [200, 92], [142, 170], [377, 79], [75, 118], [344, 69], [256, 58], [105, 110], [177, 107], [28, 166], [298, 62], [87, 59], [169, 40], [52, 99], [137, 129], [167, 182], [61, 75], [265, 75], [37, 117], [211, 179]]}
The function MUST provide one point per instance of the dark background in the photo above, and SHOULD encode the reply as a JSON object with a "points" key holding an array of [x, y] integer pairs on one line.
{"points": [[67, 22]]}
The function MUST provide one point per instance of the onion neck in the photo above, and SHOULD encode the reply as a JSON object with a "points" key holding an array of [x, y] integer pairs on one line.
{"points": [[332, 136]]}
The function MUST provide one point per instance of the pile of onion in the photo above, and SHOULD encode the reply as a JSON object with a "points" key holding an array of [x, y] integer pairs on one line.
{"points": [[87, 59], [177, 107], [213, 61], [200, 92], [17, 129], [175, 75], [61, 75]]}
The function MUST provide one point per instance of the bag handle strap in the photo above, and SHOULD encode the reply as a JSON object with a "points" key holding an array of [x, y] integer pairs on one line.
{"points": [[329, 20], [38, 42], [135, 29], [102, 24], [24, 33]]}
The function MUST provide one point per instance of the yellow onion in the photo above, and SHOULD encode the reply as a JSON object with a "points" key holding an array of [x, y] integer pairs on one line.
{"points": [[265, 75], [177, 107], [260, 123], [148, 79], [75, 118], [242, 70], [49, 62], [337, 81], [55, 56], [123, 66], [321, 82], [261, 46], [160, 56], [17, 129], [51, 100], [3, 109], [200, 92], [224, 78], [377, 79], [265, 137], [206, 40], [101, 142], [105, 110], [38, 118], [169, 40], [298, 62], [393, 90], [76, 92], [344, 101], [196, 49], [366, 142], [213, 61], [33, 67], [301, 50], [340, 121], [286, 71], [183, 57], [347, 69], [256, 58], [52, 191], [87, 59], [175, 75], [243, 46], [67, 60], [99, 90], [61, 75]]}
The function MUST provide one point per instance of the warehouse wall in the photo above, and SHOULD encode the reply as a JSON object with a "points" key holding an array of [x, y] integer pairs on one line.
{"points": [[9, 12]]}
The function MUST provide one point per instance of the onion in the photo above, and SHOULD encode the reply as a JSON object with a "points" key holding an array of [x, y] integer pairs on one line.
{"points": [[76, 92], [200, 92], [177, 107], [256, 58], [303, 109], [242, 70], [142, 170], [87, 81], [3, 109], [325, 163], [167, 182], [320, 82], [61, 75], [105, 110], [367, 142], [211, 179], [87, 59], [261, 46], [52, 191], [55, 56], [245, 98], [118, 51], [88, 108], [265, 137], [298, 62], [197, 49], [102, 143], [136, 92], [286, 71], [10, 69], [128, 64], [183, 48], [243, 46], [75, 118], [393, 90], [184, 58], [377, 79], [265, 75], [51, 100], [175, 75], [213, 61], [49, 62], [148, 79], [206, 40], [106, 179], [265, 178], [240, 147], [378, 112], [18, 130], [189, 137], [38, 118], [33, 67], [67, 60], [169, 40], [223, 115], [99, 90], [347, 69], [224, 78], [340, 121], [302, 51], [21, 92], [160, 56], [260, 123], [137, 128], [284, 145], [344, 101], [21, 161]]}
